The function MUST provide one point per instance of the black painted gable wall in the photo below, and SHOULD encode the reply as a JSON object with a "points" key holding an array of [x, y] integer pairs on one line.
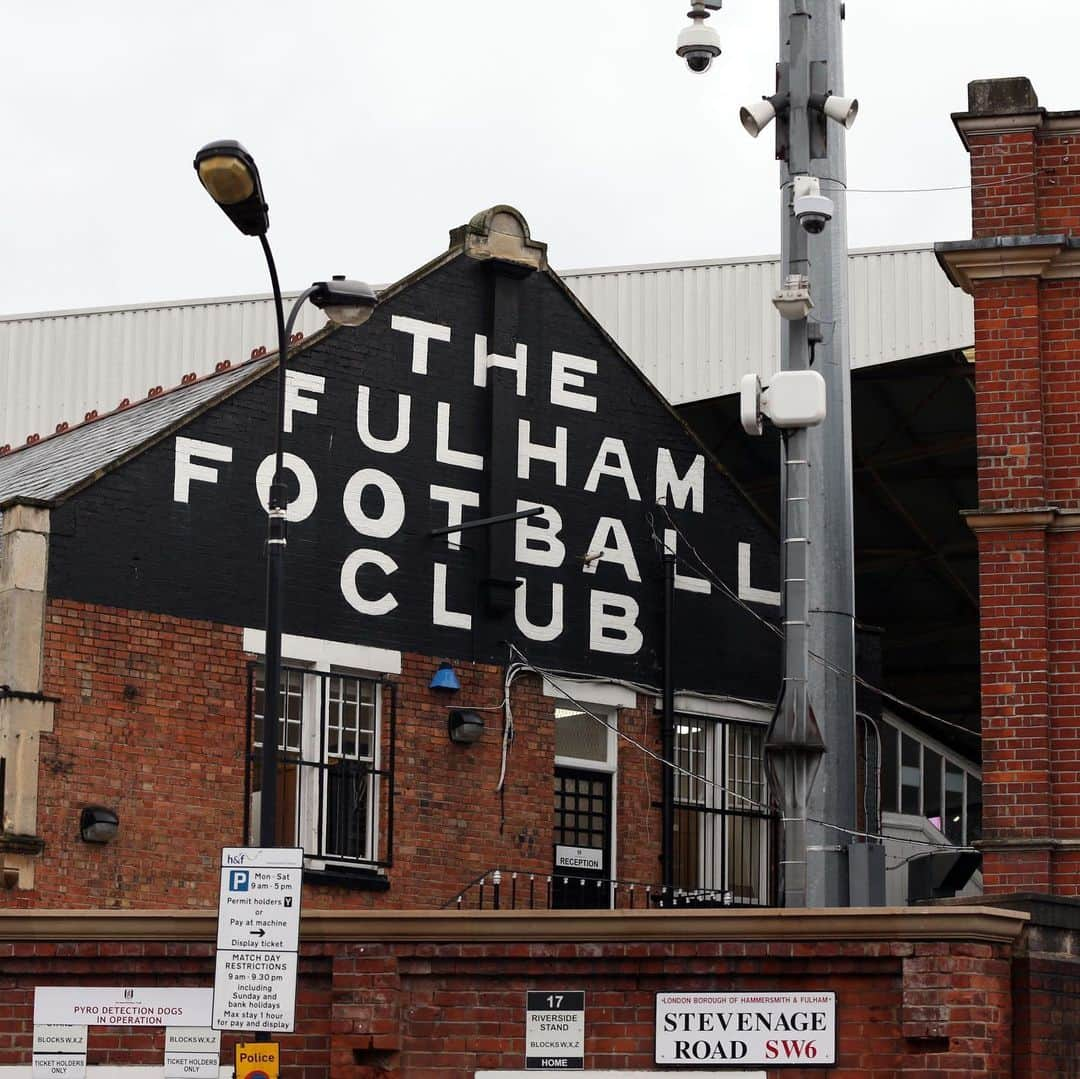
{"points": [[128, 541]]}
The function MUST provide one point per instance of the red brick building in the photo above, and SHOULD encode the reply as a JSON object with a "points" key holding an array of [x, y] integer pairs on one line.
{"points": [[130, 615], [1020, 266]]}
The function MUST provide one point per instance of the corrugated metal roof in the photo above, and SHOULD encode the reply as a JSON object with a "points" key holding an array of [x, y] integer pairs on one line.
{"points": [[693, 327], [696, 327], [50, 468], [57, 366]]}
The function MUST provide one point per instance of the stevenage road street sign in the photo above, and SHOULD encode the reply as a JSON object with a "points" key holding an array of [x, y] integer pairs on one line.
{"points": [[258, 938]]}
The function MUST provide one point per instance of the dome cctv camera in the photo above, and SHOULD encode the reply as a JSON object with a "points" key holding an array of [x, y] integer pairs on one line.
{"points": [[812, 209], [698, 46]]}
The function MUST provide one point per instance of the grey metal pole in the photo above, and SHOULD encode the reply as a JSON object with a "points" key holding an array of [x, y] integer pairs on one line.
{"points": [[832, 559], [794, 746]]}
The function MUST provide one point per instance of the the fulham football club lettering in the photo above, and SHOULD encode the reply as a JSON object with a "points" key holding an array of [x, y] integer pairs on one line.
{"points": [[598, 479]]}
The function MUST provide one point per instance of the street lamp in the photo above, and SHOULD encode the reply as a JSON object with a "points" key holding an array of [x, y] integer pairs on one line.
{"points": [[230, 176]]}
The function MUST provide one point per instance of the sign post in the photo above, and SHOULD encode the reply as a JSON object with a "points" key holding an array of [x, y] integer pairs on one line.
{"points": [[258, 938]]}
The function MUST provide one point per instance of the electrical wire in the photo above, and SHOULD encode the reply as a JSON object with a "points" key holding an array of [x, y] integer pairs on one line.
{"points": [[512, 671], [585, 710], [527, 664], [931, 190], [858, 679], [871, 724]]}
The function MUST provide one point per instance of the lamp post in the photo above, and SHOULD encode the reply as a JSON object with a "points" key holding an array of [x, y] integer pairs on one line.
{"points": [[230, 176]]}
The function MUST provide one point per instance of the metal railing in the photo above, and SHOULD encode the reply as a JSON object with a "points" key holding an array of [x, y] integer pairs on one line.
{"points": [[508, 889]]}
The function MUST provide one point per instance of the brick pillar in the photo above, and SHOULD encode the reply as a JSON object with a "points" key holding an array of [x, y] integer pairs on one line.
{"points": [[25, 714], [1020, 267], [365, 1035]]}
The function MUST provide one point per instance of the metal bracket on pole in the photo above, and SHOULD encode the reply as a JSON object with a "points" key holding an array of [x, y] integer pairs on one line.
{"points": [[816, 120], [783, 127]]}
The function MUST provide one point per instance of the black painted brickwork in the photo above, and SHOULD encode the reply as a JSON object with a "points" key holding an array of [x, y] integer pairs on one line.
{"points": [[124, 542]]}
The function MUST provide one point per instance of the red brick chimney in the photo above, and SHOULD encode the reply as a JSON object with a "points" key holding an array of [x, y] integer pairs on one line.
{"points": [[1022, 266]]}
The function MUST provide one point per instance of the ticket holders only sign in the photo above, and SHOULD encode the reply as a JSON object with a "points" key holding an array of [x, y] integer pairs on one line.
{"points": [[258, 938], [554, 1030], [718, 1029], [59, 1051], [192, 1053]]}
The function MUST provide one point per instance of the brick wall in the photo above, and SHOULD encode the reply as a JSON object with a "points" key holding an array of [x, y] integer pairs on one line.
{"points": [[1018, 267], [450, 999], [151, 721], [1047, 1024]]}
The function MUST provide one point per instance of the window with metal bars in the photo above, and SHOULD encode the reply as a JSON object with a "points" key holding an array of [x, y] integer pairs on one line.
{"points": [[335, 767], [725, 838]]}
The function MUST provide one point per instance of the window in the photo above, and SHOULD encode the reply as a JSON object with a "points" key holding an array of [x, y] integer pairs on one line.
{"points": [[332, 789], [583, 741], [922, 778], [723, 834]]}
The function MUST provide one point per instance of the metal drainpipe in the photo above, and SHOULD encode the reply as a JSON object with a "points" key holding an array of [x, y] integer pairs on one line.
{"points": [[668, 739]]}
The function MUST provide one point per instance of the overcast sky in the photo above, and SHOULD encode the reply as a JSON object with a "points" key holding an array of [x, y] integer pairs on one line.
{"points": [[380, 124]]}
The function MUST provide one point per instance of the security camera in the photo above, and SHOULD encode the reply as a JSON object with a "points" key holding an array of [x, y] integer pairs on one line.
{"points": [[813, 210], [698, 45]]}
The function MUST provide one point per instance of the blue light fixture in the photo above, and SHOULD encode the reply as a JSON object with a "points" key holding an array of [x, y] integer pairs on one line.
{"points": [[444, 677]]}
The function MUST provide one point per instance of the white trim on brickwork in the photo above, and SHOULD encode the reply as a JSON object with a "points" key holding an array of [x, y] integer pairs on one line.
{"points": [[693, 704], [608, 694], [327, 655]]}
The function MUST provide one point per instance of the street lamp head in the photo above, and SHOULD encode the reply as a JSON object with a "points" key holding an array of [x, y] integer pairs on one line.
{"points": [[231, 177], [348, 303]]}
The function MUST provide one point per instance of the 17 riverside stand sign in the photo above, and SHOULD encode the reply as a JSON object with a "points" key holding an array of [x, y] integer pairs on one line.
{"points": [[258, 938], [718, 1029], [554, 1030]]}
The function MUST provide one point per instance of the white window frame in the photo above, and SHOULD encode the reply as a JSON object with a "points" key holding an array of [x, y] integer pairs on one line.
{"points": [[330, 658], [720, 716], [948, 756], [605, 699]]}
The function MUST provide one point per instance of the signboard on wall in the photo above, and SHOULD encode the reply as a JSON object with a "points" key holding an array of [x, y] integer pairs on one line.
{"points": [[773, 1029], [192, 1053], [555, 1030], [137, 1006], [578, 857], [59, 1052]]}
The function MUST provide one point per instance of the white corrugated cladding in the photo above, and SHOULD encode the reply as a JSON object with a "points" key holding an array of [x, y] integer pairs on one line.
{"points": [[56, 367], [694, 329]]}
